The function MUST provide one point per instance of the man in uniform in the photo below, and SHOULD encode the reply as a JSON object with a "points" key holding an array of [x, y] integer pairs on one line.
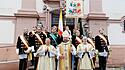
{"points": [[40, 36], [32, 45], [54, 36], [101, 44], [22, 49], [54, 39], [76, 40]]}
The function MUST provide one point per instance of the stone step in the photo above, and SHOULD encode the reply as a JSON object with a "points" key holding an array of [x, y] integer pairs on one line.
{"points": [[122, 68], [116, 68], [31, 68]]}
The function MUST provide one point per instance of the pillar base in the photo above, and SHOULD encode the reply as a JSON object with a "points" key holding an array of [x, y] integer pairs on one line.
{"points": [[97, 21], [25, 19], [97, 16], [27, 13]]}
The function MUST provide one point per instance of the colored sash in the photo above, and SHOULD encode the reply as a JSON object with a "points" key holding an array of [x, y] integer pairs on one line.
{"points": [[33, 32], [24, 41], [103, 38], [26, 46], [91, 42], [45, 33], [78, 39], [38, 37], [54, 38]]}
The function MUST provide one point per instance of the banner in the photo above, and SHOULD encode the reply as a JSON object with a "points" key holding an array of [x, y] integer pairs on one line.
{"points": [[74, 8]]}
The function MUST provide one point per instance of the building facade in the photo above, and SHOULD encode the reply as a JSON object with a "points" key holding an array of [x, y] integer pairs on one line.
{"points": [[21, 14]]}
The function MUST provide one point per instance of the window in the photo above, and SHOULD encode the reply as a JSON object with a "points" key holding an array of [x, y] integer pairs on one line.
{"points": [[7, 29], [70, 21], [55, 19]]}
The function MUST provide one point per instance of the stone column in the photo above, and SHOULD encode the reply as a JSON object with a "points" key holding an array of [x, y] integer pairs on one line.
{"points": [[26, 17], [48, 21], [95, 6], [96, 18]]}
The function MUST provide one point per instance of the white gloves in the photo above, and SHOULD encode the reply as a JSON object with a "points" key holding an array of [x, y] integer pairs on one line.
{"points": [[105, 54], [17, 51], [35, 54], [33, 50], [28, 50], [92, 54]]}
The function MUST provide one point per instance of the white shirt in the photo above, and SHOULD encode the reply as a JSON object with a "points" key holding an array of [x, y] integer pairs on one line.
{"points": [[22, 56]]}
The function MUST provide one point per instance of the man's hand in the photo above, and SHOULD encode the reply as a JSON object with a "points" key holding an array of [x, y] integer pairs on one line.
{"points": [[85, 49], [62, 56], [46, 49], [17, 51], [28, 50]]}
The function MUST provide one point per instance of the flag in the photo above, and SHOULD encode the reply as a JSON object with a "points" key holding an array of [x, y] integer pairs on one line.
{"points": [[60, 26]]}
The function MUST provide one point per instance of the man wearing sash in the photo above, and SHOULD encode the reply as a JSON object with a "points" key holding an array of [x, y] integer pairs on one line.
{"points": [[101, 44], [23, 49], [32, 45], [76, 40], [46, 55], [65, 51], [54, 39], [84, 52], [54, 36], [40, 36]]}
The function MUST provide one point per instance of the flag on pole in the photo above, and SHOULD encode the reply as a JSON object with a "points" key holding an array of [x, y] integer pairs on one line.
{"points": [[60, 25]]}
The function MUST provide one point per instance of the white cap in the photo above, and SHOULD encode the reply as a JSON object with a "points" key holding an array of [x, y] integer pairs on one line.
{"points": [[66, 34]]}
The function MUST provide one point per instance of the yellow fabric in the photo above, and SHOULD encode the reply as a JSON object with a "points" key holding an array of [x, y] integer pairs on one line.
{"points": [[78, 39], [101, 36], [85, 62], [39, 38], [91, 42], [24, 41], [45, 62], [65, 64], [33, 32], [45, 33], [30, 56], [26, 45]]}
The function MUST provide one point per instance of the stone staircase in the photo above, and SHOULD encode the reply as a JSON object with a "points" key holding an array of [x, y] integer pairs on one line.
{"points": [[31, 68]]}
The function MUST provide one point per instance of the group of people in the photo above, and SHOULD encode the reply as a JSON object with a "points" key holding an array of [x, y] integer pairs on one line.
{"points": [[70, 51]]}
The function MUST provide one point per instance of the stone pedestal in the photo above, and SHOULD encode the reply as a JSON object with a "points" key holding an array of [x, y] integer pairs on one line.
{"points": [[26, 17], [96, 18]]}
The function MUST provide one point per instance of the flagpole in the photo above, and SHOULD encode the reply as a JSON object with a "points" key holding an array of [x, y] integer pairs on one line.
{"points": [[76, 23], [65, 22]]}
